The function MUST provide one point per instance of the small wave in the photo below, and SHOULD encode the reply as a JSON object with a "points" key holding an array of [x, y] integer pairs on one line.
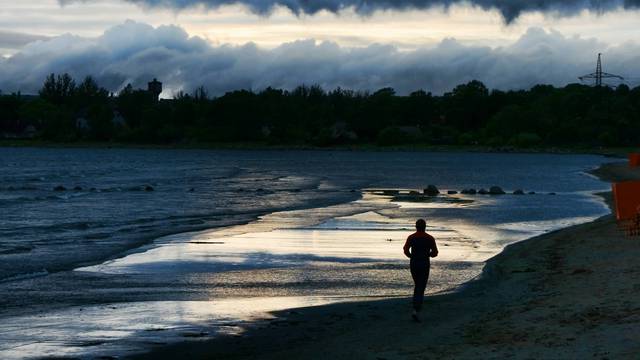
{"points": [[62, 196], [82, 225], [97, 236], [4, 199], [25, 276], [20, 188], [16, 250], [14, 199]]}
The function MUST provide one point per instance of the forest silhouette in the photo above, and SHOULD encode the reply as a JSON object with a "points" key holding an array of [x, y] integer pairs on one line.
{"points": [[572, 116]]}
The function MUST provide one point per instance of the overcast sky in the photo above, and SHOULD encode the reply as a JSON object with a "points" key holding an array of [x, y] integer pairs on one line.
{"points": [[406, 44]]}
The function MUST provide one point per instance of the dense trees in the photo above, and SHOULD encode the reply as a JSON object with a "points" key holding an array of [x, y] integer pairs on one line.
{"points": [[470, 114]]}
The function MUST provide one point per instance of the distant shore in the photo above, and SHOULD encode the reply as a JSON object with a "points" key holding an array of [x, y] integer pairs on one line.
{"points": [[571, 293], [608, 152]]}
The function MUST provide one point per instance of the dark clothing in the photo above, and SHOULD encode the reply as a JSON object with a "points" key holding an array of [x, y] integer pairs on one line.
{"points": [[420, 275], [421, 247]]}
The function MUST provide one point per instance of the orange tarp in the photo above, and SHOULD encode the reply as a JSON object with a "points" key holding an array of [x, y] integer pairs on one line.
{"points": [[627, 199], [634, 159]]}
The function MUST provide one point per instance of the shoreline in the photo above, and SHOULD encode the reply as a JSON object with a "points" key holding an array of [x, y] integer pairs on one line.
{"points": [[524, 296], [259, 146], [86, 297]]}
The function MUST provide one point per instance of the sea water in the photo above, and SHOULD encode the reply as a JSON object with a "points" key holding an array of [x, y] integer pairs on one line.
{"points": [[162, 230], [105, 209]]}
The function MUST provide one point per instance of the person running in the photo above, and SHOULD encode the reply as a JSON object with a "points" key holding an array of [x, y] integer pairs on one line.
{"points": [[420, 247]]}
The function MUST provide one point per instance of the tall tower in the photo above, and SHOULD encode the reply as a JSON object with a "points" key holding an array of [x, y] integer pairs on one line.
{"points": [[155, 88], [599, 70], [599, 74]]}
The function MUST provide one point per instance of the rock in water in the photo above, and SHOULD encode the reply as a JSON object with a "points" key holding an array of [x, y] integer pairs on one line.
{"points": [[496, 190], [148, 188], [469, 191], [431, 190], [452, 192], [518, 192], [483, 192], [59, 188]]}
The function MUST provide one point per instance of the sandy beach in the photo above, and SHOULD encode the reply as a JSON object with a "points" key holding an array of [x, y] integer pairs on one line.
{"points": [[215, 179], [572, 293], [327, 279]]}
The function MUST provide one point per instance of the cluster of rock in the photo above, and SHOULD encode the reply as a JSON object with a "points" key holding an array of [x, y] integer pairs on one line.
{"points": [[432, 190], [62, 188]]}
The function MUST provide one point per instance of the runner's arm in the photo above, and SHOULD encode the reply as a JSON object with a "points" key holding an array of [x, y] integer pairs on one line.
{"points": [[434, 250], [407, 246]]}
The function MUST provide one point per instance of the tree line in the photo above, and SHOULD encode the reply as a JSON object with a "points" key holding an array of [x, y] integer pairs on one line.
{"points": [[470, 114]]}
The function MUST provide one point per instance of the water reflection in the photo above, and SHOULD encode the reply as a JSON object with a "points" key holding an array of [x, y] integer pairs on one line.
{"points": [[125, 328], [315, 256]]}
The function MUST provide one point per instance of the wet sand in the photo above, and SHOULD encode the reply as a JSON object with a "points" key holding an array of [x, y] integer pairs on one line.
{"points": [[572, 293], [202, 285], [224, 290]]}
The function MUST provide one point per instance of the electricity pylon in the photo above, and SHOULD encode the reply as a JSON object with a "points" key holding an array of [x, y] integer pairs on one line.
{"points": [[599, 74]]}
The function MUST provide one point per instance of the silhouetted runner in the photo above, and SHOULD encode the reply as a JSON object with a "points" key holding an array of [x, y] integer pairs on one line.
{"points": [[420, 247]]}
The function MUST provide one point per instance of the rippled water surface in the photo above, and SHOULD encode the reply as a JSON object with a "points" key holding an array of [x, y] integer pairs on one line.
{"points": [[105, 207], [124, 234]]}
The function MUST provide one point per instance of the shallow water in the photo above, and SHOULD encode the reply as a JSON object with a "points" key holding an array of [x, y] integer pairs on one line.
{"points": [[43, 230], [296, 226], [123, 329]]}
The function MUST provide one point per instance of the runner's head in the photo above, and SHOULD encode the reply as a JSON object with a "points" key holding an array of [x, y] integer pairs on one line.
{"points": [[421, 225]]}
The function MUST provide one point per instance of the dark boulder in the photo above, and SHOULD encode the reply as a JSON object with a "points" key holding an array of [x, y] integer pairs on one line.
{"points": [[431, 190], [496, 190], [483, 192], [59, 188], [452, 192], [469, 191], [148, 188], [518, 192]]}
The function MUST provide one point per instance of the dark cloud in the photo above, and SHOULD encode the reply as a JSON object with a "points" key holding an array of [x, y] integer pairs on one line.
{"points": [[510, 9], [135, 52], [15, 40]]}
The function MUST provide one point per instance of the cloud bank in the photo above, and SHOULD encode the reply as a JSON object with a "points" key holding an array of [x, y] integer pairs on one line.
{"points": [[510, 9], [15, 40], [135, 53]]}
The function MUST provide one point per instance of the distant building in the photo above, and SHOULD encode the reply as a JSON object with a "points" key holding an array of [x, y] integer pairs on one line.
{"points": [[155, 88]]}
